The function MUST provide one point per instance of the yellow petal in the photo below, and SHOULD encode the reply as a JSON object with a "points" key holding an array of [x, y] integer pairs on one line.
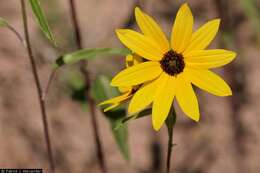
{"points": [[209, 58], [137, 74], [163, 101], [150, 28], [124, 89], [111, 107], [145, 95], [129, 60], [203, 36], [137, 59], [182, 29], [208, 81], [117, 99], [140, 44], [186, 97], [133, 60]]}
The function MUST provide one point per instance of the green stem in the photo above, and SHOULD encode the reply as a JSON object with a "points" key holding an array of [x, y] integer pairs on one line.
{"points": [[170, 122], [169, 152]]}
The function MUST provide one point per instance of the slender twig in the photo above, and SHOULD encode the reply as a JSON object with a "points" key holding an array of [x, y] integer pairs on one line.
{"points": [[49, 82], [38, 86], [99, 150], [17, 34]]}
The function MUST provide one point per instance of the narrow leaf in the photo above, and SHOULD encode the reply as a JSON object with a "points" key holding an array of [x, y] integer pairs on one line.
{"points": [[120, 134], [77, 87], [43, 23], [86, 54], [101, 90]]}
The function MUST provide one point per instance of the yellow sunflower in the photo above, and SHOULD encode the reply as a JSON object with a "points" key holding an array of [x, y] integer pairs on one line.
{"points": [[127, 91], [172, 66]]}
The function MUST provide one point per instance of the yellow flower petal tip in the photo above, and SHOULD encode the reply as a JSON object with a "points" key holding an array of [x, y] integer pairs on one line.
{"points": [[106, 103], [108, 109], [121, 32], [157, 126], [185, 6], [233, 55], [103, 103], [228, 92], [195, 118], [137, 10], [185, 9], [215, 22]]}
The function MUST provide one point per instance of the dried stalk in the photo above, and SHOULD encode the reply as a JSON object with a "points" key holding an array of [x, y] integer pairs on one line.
{"points": [[99, 151], [38, 86]]}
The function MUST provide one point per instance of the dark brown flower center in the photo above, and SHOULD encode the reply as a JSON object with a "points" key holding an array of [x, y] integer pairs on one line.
{"points": [[172, 63]]}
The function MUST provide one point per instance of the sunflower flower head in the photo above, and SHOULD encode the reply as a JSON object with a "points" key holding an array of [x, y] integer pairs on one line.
{"points": [[173, 65]]}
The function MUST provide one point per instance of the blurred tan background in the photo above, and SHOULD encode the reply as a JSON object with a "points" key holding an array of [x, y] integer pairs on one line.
{"points": [[225, 140]]}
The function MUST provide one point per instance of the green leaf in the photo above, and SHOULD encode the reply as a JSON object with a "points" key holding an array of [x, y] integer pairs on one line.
{"points": [[38, 12], [86, 54], [120, 134], [77, 88], [3, 22], [101, 90]]}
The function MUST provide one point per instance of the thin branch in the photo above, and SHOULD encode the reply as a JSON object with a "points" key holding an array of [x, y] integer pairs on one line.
{"points": [[49, 82], [99, 150], [16, 33], [76, 24], [38, 86]]}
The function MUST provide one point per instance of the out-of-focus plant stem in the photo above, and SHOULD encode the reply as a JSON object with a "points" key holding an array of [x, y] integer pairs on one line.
{"points": [[50, 79], [91, 103], [38, 86], [17, 34]]}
